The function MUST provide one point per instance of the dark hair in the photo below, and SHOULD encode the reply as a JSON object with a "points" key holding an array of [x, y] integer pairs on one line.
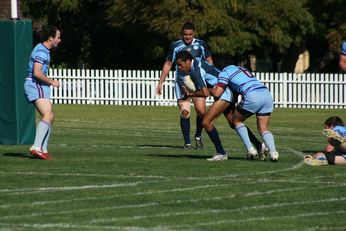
{"points": [[184, 55], [187, 26], [334, 121], [46, 32]]}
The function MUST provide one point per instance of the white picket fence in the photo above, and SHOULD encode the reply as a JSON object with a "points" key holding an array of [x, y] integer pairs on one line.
{"points": [[131, 87]]}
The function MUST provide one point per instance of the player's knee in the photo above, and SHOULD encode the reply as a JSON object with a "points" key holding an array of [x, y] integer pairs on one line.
{"points": [[185, 113], [208, 126], [262, 131], [48, 117]]}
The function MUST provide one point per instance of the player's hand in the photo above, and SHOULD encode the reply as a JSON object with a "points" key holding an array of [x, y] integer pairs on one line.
{"points": [[55, 83], [159, 89], [185, 91]]}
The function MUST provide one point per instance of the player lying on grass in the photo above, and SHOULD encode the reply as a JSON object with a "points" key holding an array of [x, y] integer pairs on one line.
{"points": [[335, 151], [204, 76]]}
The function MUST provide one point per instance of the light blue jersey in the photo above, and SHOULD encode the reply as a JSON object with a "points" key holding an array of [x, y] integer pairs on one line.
{"points": [[40, 54], [342, 131], [255, 96], [203, 75], [239, 79], [343, 48], [33, 88]]}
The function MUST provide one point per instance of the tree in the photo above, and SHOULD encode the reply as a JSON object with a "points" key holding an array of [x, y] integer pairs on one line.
{"points": [[232, 28], [136, 34], [324, 44]]}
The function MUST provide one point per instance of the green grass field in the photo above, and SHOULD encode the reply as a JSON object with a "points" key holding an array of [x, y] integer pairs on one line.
{"points": [[123, 168]]}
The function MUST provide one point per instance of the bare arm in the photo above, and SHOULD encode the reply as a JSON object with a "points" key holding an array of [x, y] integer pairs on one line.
{"points": [[216, 91], [201, 93], [164, 73], [328, 148], [42, 77], [210, 60]]}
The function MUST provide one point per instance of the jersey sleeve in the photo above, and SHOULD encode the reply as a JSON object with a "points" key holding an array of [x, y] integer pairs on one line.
{"points": [[40, 57], [207, 52], [197, 77], [170, 55], [343, 48], [223, 79]]}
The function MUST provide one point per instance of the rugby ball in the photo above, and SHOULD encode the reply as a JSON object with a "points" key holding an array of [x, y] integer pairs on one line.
{"points": [[189, 84]]}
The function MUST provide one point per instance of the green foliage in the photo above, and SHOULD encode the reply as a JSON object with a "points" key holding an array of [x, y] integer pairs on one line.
{"points": [[230, 27], [280, 23], [123, 168], [109, 33]]}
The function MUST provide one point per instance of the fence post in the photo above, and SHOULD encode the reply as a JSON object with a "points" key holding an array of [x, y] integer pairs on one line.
{"points": [[284, 86]]}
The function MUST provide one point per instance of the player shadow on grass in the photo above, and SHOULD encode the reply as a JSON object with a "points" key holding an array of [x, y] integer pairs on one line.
{"points": [[20, 155], [192, 156], [159, 146], [310, 151]]}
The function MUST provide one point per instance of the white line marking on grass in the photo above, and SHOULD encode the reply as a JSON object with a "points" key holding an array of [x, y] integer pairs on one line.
{"points": [[44, 226], [136, 206], [256, 193], [294, 167], [66, 188], [256, 219], [328, 228], [83, 175], [155, 203], [218, 211]]}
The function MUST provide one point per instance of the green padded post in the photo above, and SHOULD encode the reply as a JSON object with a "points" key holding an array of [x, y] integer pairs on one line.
{"points": [[17, 117]]}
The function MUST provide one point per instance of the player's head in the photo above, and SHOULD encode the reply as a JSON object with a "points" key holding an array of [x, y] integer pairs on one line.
{"points": [[188, 32], [183, 61], [51, 35], [333, 121]]}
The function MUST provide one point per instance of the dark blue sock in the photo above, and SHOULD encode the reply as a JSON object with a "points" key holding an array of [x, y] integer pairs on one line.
{"points": [[214, 136], [199, 126], [185, 129], [254, 139]]}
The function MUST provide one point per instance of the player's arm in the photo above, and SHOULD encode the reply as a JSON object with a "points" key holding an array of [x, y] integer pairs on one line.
{"points": [[164, 73], [200, 93], [217, 90], [329, 148], [342, 62], [209, 60], [42, 77]]}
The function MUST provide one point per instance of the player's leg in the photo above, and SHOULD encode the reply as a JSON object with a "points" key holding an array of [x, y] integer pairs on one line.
{"points": [[340, 160], [263, 116], [240, 115], [342, 147], [43, 129], [262, 125], [184, 108], [200, 108], [40, 95], [261, 148], [215, 110]]}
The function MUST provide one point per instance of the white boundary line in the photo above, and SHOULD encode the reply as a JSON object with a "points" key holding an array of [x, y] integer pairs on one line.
{"points": [[156, 203]]}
